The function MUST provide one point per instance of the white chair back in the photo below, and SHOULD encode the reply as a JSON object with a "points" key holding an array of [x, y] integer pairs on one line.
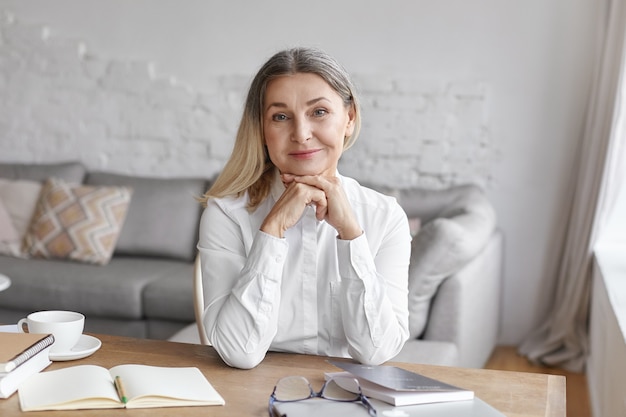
{"points": [[198, 300]]}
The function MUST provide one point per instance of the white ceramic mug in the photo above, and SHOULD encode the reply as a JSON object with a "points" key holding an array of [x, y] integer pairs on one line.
{"points": [[66, 326]]}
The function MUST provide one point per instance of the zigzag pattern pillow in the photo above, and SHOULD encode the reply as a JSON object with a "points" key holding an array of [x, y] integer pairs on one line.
{"points": [[77, 222]]}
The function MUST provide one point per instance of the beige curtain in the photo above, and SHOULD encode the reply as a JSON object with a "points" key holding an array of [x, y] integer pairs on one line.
{"points": [[562, 340]]}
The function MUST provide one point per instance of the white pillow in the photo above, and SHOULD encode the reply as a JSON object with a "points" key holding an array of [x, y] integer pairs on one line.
{"points": [[19, 198]]}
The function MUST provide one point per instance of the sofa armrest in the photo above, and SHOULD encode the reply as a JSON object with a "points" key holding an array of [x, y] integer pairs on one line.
{"points": [[466, 308]]}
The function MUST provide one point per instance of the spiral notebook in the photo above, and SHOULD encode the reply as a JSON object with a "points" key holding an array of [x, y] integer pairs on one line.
{"points": [[17, 348]]}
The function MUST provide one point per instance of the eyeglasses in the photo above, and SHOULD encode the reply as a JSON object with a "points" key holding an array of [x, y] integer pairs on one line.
{"points": [[298, 388]]}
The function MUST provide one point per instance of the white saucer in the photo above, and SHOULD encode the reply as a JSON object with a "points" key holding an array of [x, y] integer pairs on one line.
{"points": [[5, 282], [86, 346]]}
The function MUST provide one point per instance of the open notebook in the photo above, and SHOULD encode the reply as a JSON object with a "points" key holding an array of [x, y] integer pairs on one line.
{"points": [[90, 386]]}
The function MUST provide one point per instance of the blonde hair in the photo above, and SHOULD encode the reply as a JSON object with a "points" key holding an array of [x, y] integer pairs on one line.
{"points": [[249, 167]]}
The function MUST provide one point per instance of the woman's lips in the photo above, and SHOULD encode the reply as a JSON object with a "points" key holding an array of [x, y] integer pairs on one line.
{"points": [[309, 153]]}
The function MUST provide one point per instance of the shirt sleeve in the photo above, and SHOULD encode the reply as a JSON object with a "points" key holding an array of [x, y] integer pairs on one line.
{"points": [[241, 308], [374, 292]]}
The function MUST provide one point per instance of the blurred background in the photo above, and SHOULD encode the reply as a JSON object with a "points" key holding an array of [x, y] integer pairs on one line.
{"points": [[486, 91]]}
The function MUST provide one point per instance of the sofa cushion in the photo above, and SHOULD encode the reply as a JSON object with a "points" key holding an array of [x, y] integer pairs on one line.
{"points": [[429, 352], [114, 291], [163, 215], [460, 228], [171, 297], [188, 334], [77, 222], [73, 172], [19, 198]]}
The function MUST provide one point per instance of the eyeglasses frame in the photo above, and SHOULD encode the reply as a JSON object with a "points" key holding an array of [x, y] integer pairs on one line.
{"points": [[313, 394]]}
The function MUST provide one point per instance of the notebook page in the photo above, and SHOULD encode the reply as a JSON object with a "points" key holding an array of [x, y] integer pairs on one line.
{"points": [[170, 382], [66, 388]]}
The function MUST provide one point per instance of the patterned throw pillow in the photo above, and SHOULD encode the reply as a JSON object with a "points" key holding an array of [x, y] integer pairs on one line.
{"points": [[77, 222]]}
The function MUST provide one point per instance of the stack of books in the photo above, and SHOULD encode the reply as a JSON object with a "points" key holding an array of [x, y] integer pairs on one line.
{"points": [[22, 355]]}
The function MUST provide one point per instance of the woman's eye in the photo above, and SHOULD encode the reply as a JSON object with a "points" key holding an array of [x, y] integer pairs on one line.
{"points": [[319, 112], [279, 117]]}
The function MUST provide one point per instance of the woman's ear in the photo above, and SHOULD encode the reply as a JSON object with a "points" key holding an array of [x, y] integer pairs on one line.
{"points": [[351, 121]]}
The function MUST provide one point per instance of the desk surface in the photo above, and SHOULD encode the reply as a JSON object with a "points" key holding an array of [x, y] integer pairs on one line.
{"points": [[246, 392]]}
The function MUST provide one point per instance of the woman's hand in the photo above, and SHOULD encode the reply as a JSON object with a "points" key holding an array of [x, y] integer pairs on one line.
{"points": [[331, 205]]}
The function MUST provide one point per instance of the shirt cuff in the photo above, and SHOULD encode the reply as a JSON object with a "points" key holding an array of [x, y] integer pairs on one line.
{"points": [[268, 255], [355, 258]]}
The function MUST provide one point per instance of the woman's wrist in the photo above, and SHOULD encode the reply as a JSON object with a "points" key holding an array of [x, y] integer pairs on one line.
{"points": [[273, 230], [350, 233]]}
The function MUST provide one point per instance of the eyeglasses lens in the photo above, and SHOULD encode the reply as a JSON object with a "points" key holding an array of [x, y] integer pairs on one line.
{"points": [[292, 388], [342, 389]]}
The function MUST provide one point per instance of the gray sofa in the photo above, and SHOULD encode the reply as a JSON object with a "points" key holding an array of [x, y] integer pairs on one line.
{"points": [[454, 276], [146, 288]]}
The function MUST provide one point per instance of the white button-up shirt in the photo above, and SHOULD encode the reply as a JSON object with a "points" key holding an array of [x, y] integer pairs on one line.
{"points": [[309, 292]]}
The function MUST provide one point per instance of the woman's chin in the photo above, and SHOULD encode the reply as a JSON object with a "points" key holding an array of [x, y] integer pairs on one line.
{"points": [[301, 172]]}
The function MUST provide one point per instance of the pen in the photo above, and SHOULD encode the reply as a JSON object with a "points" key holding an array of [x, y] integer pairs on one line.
{"points": [[120, 390]]}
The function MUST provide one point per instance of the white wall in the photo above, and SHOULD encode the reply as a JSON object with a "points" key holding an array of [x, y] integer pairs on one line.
{"points": [[533, 58]]}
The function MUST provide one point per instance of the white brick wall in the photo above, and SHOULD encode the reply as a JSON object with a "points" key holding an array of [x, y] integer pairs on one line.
{"points": [[61, 101]]}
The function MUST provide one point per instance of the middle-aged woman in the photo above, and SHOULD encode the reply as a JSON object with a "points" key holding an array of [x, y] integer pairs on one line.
{"points": [[296, 257]]}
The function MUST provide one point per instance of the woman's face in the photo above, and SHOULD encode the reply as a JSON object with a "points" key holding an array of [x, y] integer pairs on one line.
{"points": [[304, 124]]}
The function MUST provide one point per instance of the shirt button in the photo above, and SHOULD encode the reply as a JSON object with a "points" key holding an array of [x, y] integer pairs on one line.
{"points": [[279, 259]]}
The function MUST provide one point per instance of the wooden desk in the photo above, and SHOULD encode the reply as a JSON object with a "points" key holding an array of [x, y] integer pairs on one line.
{"points": [[246, 392]]}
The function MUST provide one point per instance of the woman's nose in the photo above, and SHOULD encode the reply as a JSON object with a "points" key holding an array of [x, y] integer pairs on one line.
{"points": [[301, 131]]}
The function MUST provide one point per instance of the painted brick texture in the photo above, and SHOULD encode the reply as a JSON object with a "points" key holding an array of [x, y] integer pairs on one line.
{"points": [[61, 101]]}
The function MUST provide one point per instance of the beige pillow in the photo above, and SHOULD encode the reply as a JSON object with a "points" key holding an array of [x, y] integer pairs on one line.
{"points": [[77, 222], [19, 198], [7, 230]]}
